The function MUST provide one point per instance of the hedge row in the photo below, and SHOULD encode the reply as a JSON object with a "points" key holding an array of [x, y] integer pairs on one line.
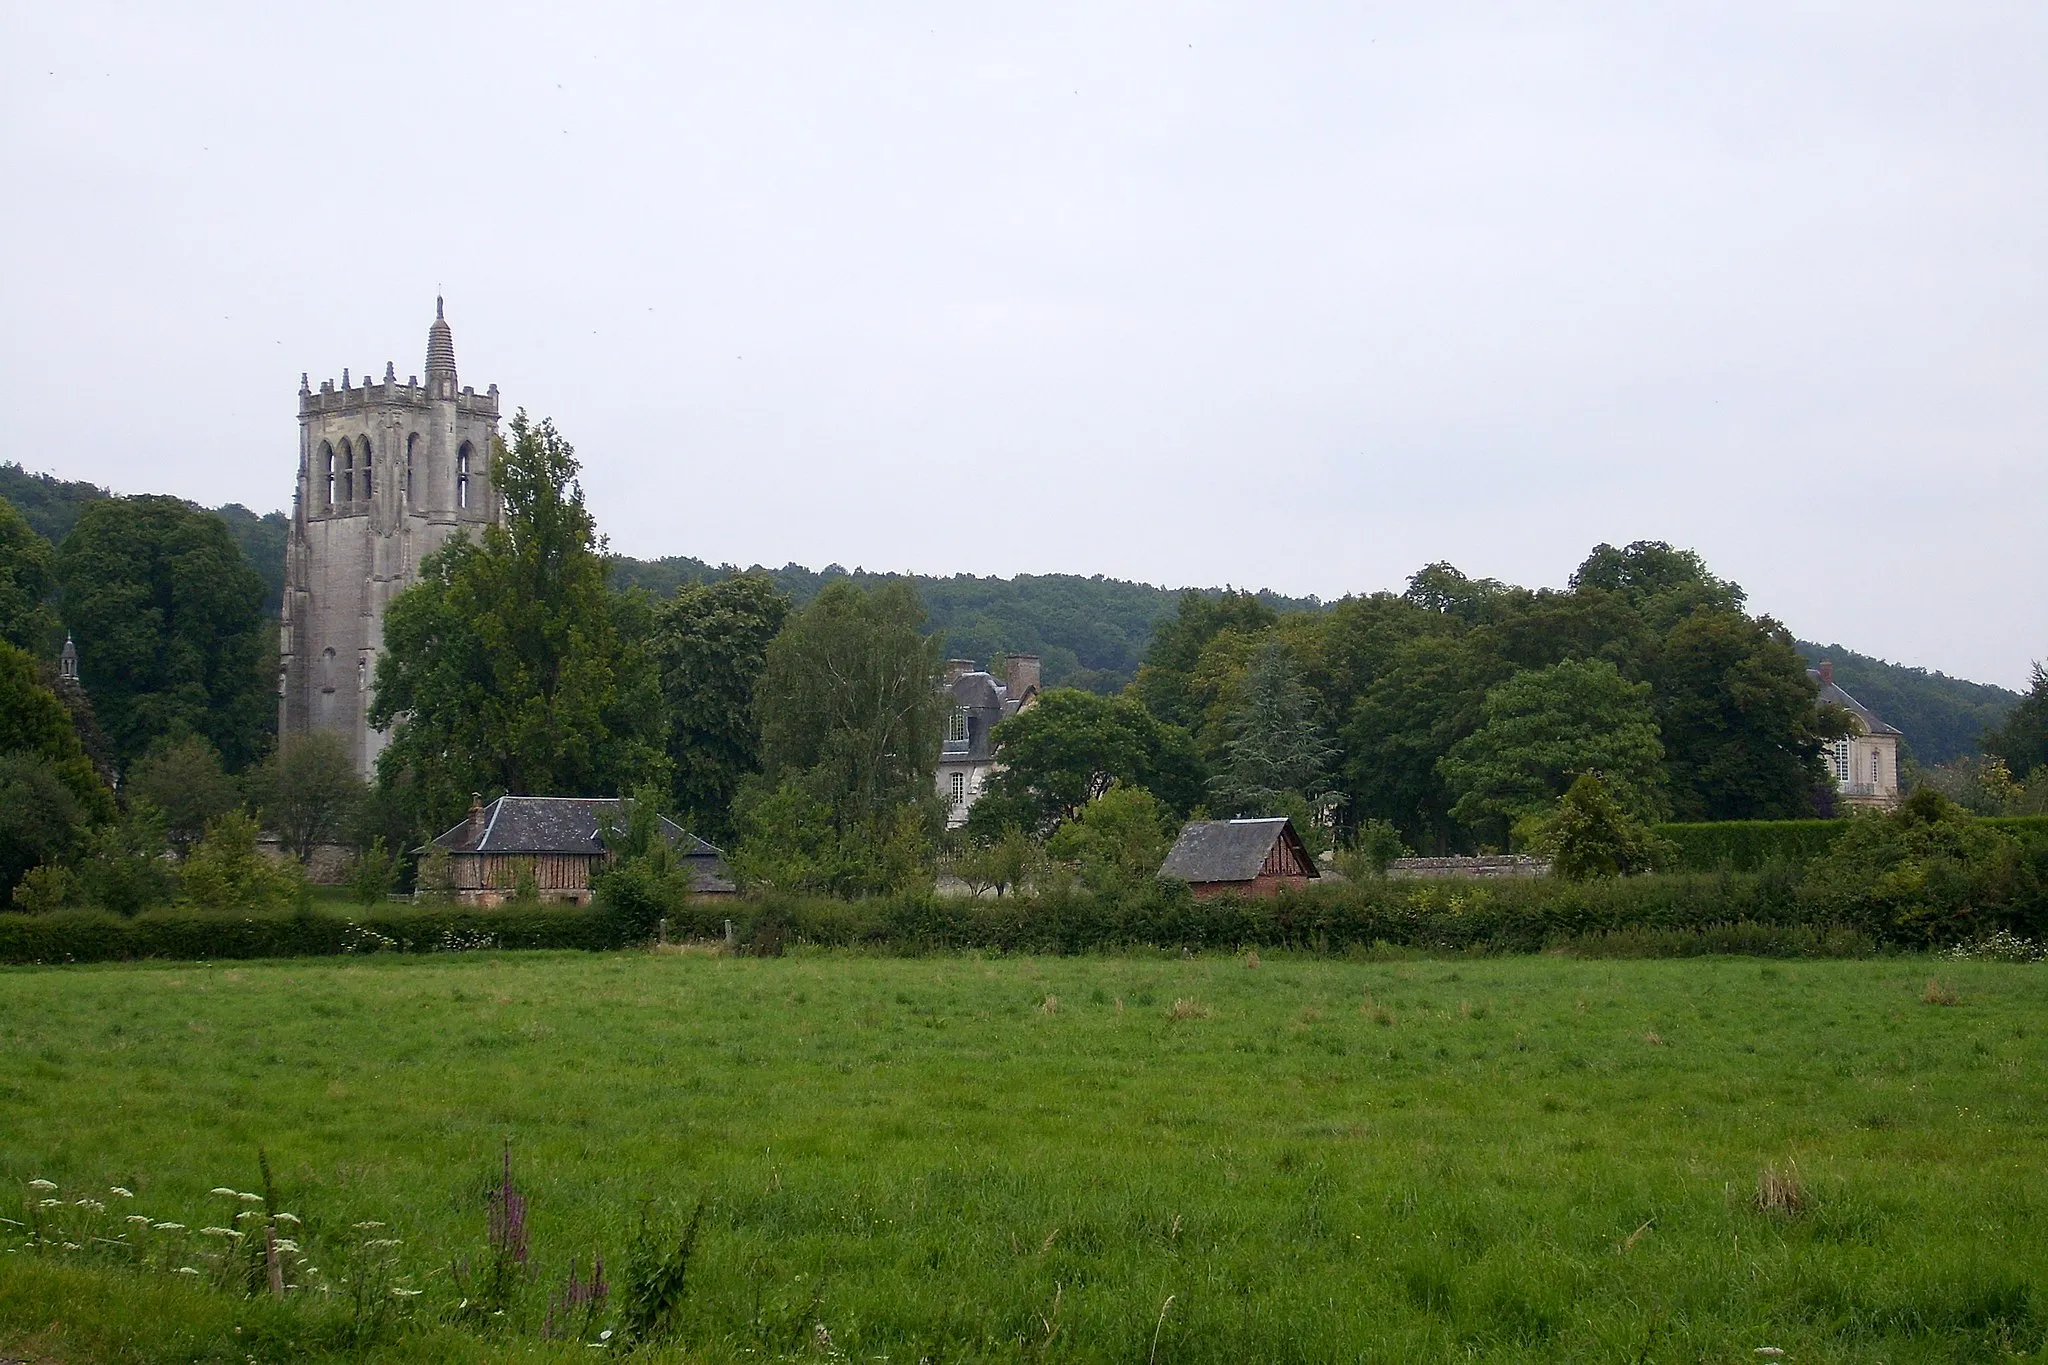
{"points": [[1748, 845], [95, 936]]}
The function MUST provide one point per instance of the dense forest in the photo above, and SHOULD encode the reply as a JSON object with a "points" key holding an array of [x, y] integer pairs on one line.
{"points": [[1092, 632]]}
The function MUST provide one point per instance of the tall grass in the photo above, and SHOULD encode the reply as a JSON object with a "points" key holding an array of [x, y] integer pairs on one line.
{"points": [[1184, 1160]]}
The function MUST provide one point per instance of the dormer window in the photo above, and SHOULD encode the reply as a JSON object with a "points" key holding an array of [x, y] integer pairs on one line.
{"points": [[956, 731]]}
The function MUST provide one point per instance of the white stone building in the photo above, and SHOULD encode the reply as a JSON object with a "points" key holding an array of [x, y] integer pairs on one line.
{"points": [[967, 758], [387, 473], [1864, 765]]}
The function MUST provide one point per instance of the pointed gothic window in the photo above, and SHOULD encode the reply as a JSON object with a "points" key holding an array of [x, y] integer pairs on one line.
{"points": [[327, 460], [348, 471], [368, 465], [411, 444], [462, 475]]}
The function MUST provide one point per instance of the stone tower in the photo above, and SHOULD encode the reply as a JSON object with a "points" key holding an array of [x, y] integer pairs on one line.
{"points": [[387, 472]]}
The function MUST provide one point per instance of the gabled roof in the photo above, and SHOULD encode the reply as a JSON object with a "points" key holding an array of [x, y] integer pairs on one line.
{"points": [[1831, 691], [557, 824], [1229, 850]]}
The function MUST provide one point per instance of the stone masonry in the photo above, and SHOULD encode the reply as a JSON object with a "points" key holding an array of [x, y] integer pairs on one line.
{"points": [[387, 473]]}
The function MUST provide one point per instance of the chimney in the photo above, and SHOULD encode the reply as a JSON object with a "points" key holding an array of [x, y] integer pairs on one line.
{"points": [[476, 817], [956, 669], [1023, 676], [1827, 672]]}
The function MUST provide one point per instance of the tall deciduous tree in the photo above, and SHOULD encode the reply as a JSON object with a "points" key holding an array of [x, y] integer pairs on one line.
{"points": [[1544, 728], [511, 666], [711, 642], [849, 702], [27, 578], [1163, 682], [169, 622], [1738, 719]]}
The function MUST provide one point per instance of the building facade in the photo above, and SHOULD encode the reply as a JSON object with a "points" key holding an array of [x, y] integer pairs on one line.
{"points": [[558, 844], [1240, 858], [387, 473], [967, 757], [1864, 764]]}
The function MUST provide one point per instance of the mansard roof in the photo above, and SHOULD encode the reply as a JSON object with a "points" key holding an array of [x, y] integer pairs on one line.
{"points": [[1831, 691], [1229, 850]]}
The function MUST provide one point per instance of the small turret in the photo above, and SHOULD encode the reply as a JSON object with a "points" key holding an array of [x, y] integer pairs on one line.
{"points": [[67, 660]]}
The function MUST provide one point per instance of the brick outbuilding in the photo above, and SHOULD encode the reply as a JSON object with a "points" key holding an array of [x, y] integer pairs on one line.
{"points": [[1240, 857]]}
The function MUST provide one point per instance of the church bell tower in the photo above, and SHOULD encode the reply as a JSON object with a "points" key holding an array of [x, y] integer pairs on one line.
{"points": [[387, 473]]}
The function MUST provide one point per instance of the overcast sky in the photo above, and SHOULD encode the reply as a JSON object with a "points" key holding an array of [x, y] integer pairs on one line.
{"points": [[1286, 295]]}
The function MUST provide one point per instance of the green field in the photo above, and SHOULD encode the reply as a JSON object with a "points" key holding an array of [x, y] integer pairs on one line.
{"points": [[1108, 1158]]}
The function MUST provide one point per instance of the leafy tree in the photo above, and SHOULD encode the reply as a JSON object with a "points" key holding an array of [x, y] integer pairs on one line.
{"points": [[27, 578], [509, 666], [308, 792], [1374, 844], [1427, 698], [1276, 747], [372, 873], [1177, 645], [1737, 716], [1071, 747], [792, 839], [33, 720], [40, 819], [1981, 786], [849, 703], [1118, 840], [2022, 741], [1591, 835], [711, 643], [1544, 728], [226, 871], [1001, 864], [1662, 583], [168, 617], [183, 778]]}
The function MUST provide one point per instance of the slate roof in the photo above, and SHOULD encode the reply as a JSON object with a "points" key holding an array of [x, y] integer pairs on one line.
{"points": [[1830, 691], [574, 825], [1226, 850]]}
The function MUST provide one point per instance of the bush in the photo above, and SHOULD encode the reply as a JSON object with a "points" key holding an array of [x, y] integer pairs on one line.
{"points": [[1929, 873]]}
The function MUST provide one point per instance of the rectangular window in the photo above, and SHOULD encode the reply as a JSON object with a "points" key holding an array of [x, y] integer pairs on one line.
{"points": [[956, 731], [1876, 767], [959, 790], [1838, 760]]}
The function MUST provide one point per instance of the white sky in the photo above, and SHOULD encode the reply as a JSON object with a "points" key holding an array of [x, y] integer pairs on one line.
{"points": [[1293, 296]]}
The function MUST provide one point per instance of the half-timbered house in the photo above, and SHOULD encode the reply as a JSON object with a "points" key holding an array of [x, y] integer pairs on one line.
{"points": [[1239, 857], [560, 842]]}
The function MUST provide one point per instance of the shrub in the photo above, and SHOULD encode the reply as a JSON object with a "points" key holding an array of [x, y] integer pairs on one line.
{"points": [[1929, 873], [1592, 835], [1748, 845], [226, 871]]}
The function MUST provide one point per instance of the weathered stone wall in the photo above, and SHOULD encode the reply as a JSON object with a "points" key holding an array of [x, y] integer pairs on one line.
{"points": [[1486, 865]]}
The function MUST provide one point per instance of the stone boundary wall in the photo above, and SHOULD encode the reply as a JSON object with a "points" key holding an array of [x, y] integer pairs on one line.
{"points": [[1487, 865]]}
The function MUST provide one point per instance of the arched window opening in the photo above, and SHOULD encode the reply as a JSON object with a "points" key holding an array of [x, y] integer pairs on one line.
{"points": [[368, 465], [327, 464], [462, 475], [412, 443], [348, 471], [327, 669]]}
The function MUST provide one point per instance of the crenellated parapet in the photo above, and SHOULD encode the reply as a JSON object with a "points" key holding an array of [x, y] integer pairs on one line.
{"points": [[390, 393]]}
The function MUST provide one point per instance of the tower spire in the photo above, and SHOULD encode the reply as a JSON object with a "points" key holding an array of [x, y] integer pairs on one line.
{"points": [[440, 354]]}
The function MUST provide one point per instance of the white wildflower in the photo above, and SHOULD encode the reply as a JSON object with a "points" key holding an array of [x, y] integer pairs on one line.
{"points": [[247, 1213], [247, 1198], [291, 1218], [186, 1270], [402, 1292], [362, 1226], [168, 1227], [381, 1242], [141, 1218], [49, 1203], [121, 1190], [95, 1205], [218, 1232], [286, 1244], [41, 1184], [223, 1191], [71, 1246]]}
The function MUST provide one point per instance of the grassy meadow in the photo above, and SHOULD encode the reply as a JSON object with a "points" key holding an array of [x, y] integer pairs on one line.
{"points": [[1087, 1158]]}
